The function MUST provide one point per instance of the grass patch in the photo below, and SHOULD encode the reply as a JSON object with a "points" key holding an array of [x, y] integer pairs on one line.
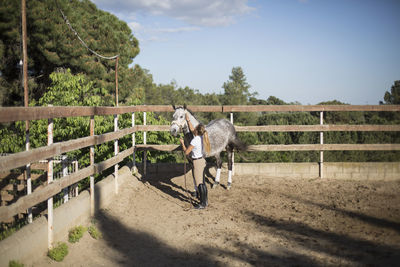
{"points": [[15, 264], [76, 233], [59, 252], [94, 232]]}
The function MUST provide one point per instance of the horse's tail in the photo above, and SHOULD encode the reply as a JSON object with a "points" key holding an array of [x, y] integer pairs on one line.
{"points": [[238, 144]]}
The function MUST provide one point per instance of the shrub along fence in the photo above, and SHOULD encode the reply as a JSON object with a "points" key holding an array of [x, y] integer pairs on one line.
{"points": [[52, 150]]}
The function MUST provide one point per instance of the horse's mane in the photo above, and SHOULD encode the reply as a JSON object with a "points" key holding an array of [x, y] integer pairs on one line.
{"points": [[191, 112]]}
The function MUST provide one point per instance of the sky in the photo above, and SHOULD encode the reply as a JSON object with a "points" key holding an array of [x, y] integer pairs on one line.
{"points": [[306, 51]]}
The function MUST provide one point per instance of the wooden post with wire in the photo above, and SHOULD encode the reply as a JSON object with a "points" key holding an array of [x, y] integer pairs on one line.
{"points": [[26, 101]]}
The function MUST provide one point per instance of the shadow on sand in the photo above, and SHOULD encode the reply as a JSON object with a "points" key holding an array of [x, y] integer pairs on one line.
{"points": [[136, 248], [359, 251], [164, 182]]}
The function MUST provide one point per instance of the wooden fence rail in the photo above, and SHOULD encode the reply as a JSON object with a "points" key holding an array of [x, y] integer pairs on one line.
{"points": [[13, 114]]}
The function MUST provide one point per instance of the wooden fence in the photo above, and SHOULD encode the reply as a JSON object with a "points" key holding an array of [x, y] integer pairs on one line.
{"points": [[28, 157]]}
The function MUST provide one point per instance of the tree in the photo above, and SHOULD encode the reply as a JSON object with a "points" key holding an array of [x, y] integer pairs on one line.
{"points": [[236, 89], [51, 44], [236, 92], [393, 97]]}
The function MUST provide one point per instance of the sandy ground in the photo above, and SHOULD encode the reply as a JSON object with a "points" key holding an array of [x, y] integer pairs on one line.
{"points": [[261, 221]]}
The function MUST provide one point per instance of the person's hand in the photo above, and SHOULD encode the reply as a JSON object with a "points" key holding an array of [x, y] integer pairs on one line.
{"points": [[182, 142], [187, 116]]}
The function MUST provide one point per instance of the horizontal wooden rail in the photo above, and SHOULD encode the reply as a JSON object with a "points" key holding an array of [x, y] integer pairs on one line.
{"points": [[290, 128], [49, 190], [23, 158], [169, 108], [318, 128], [294, 147], [308, 108], [153, 128], [325, 147], [11, 114]]}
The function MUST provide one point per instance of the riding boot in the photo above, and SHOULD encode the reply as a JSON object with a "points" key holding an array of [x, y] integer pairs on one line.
{"points": [[205, 195], [202, 196]]}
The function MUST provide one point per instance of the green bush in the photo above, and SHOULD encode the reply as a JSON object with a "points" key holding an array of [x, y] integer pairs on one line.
{"points": [[94, 232], [59, 252], [15, 264], [76, 233]]}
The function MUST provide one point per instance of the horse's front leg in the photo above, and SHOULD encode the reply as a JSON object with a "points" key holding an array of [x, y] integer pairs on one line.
{"points": [[218, 175], [229, 151]]}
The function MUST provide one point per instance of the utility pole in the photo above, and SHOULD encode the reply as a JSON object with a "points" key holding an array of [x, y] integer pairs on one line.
{"points": [[26, 98]]}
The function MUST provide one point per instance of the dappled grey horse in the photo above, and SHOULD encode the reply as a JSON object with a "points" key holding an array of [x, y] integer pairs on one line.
{"points": [[221, 133]]}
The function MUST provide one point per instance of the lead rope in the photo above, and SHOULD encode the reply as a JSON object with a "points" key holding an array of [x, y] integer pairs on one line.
{"points": [[184, 175]]}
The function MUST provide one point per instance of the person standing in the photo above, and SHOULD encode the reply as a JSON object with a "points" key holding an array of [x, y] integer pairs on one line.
{"points": [[198, 145]]}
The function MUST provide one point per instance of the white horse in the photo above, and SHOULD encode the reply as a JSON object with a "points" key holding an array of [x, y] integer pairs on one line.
{"points": [[222, 135]]}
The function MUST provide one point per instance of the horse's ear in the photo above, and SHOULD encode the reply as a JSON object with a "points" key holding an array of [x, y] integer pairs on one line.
{"points": [[184, 106], [173, 106]]}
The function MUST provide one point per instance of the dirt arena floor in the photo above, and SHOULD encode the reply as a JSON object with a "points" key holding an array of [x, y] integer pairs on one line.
{"points": [[261, 221]]}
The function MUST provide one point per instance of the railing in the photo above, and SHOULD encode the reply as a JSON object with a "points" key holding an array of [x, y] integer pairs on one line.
{"points": [[13, 114]]}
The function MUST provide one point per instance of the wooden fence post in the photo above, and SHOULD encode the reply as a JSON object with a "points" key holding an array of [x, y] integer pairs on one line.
{"points": [[133, 143], [49, 181], [233, 154], [321, 140], [76, 185], [92, 208], [26, 100], [116, 153], [145, 143], [28, 171], [64, 165]]}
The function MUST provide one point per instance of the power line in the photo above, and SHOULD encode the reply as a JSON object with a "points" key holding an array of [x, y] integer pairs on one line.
{"points": [[80, 39]]}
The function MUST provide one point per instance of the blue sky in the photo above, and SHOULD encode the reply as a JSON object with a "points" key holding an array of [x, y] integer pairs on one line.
{"points": [[307, 51]]}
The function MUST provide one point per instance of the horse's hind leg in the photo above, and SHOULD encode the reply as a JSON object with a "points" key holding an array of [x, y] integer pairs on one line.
{"points": [[218, 175], [229, 151]]}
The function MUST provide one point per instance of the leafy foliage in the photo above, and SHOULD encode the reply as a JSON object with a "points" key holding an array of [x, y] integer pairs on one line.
{"points": [[94, 232], [236, 88], [51, 45], [14, 263], [58, 252], [76, 233], [393, 97]]}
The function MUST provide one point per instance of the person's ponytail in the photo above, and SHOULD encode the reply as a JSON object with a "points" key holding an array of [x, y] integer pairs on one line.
{"points": [[201, 130], [206, 142]]}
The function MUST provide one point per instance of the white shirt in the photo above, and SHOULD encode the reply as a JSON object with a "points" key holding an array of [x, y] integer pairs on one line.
{"points": [[197, 143]]}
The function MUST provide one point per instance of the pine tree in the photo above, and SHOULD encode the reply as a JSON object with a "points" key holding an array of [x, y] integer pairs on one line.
{"points": [[52, 45]]}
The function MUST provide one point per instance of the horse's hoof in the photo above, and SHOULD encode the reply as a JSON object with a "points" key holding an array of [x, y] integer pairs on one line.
{"points": [[229, 186], [215, 185]]}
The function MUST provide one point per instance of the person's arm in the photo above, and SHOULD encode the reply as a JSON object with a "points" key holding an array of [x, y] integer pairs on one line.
{"points": [[191, 128], [186, 150]]}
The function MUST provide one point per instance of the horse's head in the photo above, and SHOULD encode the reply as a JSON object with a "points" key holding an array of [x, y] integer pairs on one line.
{"points": [[179, 123]]}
